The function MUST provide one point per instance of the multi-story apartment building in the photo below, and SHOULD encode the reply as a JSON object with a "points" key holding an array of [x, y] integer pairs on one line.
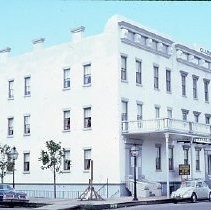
{"points": [[101, 95]]}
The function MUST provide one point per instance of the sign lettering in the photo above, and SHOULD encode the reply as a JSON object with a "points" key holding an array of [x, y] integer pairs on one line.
{"points": [[184, 169]]}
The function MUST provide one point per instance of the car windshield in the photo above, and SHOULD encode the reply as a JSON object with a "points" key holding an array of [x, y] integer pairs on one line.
{"points": [[188, 184]]}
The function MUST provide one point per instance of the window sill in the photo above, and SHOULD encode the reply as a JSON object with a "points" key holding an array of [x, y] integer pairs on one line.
{"points": [[67, 88], [9, 172], [196, 99], [139, 85], [207, 102], [86, 171], [87, 129], [65, 171], [26, 172], [158, 170], [198, 171], [156, 89], [124, 81], [27, 134], [10, 136], [184, 96], [26, 96], [11, 99], [169, 92], [65, 131], [87, 85]]}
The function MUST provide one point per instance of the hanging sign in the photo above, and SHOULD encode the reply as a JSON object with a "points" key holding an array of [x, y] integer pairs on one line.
{"points": [[201, 140], [184, 169]]}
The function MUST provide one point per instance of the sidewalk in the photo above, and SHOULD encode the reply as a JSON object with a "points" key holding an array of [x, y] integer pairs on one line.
{"points": [[62, 204]]}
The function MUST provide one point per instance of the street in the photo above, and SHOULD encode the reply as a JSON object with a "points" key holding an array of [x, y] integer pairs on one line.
{"points": [[179, 206]]}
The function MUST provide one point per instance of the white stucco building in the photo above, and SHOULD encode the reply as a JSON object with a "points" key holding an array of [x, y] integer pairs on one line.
{"points": [[99, 96]]}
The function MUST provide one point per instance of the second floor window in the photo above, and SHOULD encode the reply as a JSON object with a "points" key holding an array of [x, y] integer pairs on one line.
{"points": [[197, 159], [124, 111], [157, 112], [138, 72], [27, 124], [26, 162], [206, 90], [87, 74], [171, 158], [139, 111], [185, 114], [27, 86], [195, 92], [123, 68], [168, 80], [186, 159], [11, 89], [207, 118], [66, 163], [67, 120], [87, 117], [169, 113], [183, 78], [158, 157], [87, 159], [66, 78], [156, 77], [10, 126]]}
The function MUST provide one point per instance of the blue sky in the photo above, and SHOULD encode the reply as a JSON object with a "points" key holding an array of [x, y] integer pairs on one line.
{"points": [[21, 21]]}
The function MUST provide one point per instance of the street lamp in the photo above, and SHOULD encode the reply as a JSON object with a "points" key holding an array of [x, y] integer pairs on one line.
{"points": [[134, 153], [13, 155]]}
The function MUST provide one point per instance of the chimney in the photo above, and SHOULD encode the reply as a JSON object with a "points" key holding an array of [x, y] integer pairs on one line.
{"points": [[38, 43], [77, 34], [4, 54]]}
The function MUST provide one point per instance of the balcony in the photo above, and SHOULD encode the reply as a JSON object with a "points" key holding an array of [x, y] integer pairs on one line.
{"points": [[166, 125]]}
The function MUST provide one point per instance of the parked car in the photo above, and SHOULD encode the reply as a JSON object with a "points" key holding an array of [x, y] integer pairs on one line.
{"points": [[192, 190], [8, 194]]}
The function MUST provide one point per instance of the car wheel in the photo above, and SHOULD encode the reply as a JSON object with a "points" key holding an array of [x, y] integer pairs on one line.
{"points": [[194, 198], [210, 196]]}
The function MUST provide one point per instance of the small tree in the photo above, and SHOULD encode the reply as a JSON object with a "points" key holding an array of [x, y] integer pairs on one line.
{"points": [[52, 159], [4, 161]]}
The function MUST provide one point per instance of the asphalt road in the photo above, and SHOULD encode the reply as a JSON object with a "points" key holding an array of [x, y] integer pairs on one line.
{"points": [[179, 206]]}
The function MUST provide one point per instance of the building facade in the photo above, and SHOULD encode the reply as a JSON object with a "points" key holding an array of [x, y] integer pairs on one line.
{"points": [[101, 95]]}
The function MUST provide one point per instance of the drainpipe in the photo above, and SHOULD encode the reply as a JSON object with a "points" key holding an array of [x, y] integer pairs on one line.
{"points": [[167, 164]]}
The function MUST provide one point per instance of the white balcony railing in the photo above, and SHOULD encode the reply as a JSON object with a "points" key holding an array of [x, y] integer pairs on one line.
{"points": [[164, 124]]}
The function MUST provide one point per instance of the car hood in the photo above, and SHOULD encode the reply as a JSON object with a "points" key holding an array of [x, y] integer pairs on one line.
{"points": [[182, 190]]}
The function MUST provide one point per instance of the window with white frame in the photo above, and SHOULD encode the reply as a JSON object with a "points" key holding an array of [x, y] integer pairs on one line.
{"points": [[183, 77], [144, 40], [26, 162], [87, 117], [10, 126], [171, 158], [138, 72], [156, 77], [66, 160], [207, 118], [27, 86], [169, 113], [168, 80], [11, 89], [139, 111], [186, 158], [195, 91], [197, 151], [158, 157], [27, 124], [154, 44], [185, 114], [66, 114], [87, 74], [206, 90], [67, 78], [123, 68], [87, 159], [196, 116], [124, 111], [185, 56], [157, 112]]}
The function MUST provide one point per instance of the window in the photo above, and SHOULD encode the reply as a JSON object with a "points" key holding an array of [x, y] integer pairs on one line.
{"points": [[27, 124], [66, 163], [157, 112], [156, 77], [171, 158], [10, 164], [196, 116], [138, 72], [195, 92], [67, 78], [185, 114], [168, 80], [186, 160], [169, 113], [87, 74], [165, 48], [67, 120], [143, 40], [10, 126], [26, 162], [154, 44], [185, 56], [206, 90], [87, 117], [207, 118], [123, 68], [196, 60], [27, 87], [158, 157], [124, 110], [11, 89], [139, 111], [87, 159], [197, 159], [209, 164], [183, 77]]}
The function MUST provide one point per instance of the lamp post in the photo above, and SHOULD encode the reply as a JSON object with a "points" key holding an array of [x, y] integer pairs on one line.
{"points": [[134, 153], [13, 155]]}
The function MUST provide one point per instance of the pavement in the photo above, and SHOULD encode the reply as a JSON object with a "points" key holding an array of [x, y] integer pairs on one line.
{"points": [[65, 204]]}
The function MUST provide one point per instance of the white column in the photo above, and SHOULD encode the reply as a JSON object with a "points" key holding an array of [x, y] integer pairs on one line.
{"points": [[167, 163], [191, 159]]}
